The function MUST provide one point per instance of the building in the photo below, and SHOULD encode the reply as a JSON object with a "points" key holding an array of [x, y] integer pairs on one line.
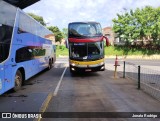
{"points": [[51, 37], [109, 33], [61, 43]]}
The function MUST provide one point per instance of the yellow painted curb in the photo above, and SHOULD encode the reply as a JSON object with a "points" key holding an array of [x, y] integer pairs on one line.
{"points": [[50, 96], [45, 105]]}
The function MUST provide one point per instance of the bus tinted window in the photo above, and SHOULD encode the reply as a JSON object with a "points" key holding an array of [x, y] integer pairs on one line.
{"points": [[24, 23], [6, 28], [86, 51], [9, 11], [29, 53], [28, 24], [23, 54], [85, 30]]}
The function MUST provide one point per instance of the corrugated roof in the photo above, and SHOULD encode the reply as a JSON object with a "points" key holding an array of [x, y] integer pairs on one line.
{"points": [[21, 3]]}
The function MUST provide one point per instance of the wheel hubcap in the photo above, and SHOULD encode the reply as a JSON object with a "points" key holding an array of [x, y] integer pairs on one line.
{"points": [[18, 83]]}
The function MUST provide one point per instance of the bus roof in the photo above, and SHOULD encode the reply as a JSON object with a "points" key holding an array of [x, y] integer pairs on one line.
{"points": [[84, 22]]}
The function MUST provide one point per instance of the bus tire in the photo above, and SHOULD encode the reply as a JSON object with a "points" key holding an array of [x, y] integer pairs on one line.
{"points": [[49, 65], [18, 81]]}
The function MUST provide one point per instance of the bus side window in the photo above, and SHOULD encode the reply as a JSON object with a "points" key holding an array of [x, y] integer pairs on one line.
{"points": [[23, 54], [5, 40], [2, 33], [5, 34]]}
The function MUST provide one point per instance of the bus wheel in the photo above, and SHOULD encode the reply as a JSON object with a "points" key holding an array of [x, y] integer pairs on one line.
{"points": [[18, 81], [50, 65]]}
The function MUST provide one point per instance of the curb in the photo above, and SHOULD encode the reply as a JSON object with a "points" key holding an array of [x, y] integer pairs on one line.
{"points": [[50, 96], [146, 57]]}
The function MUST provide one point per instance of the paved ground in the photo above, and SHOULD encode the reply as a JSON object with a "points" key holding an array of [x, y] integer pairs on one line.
{"points": [[33, 93], [99, 92], [91, 92]]}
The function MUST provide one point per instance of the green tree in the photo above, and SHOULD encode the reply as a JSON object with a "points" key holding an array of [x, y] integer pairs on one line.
{"points": [[144, 20], [65, 32], [38, 18], [139, 24], [156, 27], [123, 27], [57, 33]]}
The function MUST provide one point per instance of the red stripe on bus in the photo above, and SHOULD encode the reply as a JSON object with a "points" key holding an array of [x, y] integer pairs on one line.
{"points": [[97, 39]]}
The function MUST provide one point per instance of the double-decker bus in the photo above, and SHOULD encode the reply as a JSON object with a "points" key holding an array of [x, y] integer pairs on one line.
{"points": [[25, 48], [86, 47]]}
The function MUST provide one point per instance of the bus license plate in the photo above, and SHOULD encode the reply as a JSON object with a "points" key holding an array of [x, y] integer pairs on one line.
{"points": [[88, 70]]}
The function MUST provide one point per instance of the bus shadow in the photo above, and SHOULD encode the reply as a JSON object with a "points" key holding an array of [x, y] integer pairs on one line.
{"points": [[30, 81], [81, 74]]}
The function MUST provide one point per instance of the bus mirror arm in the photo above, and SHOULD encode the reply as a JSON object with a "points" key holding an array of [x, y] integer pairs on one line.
{"points": [[66, 43], [107, 40]]}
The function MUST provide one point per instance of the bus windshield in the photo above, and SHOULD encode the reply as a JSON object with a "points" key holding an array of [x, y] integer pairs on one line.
{"points": [[86, 51], [83, 30]]}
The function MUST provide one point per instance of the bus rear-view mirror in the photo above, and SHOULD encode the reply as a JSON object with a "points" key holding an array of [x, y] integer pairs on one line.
{"points": [[107, 40], [66, 43]]}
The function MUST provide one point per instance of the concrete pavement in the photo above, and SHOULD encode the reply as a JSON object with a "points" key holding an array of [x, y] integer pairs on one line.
{"points": [[100, 92]]}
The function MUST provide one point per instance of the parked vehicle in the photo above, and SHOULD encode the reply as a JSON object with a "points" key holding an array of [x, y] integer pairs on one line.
{"points": [[25, 48]]}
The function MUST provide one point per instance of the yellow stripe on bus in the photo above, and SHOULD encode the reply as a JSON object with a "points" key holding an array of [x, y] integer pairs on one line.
{"points": [[86, 62]]}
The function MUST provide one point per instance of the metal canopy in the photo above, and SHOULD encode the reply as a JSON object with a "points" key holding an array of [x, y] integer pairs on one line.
{"points": [[21, 3]]}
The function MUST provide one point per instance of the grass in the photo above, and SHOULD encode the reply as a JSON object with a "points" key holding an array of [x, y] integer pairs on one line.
{"points": [[114, 50], [61, 51], [120, 51], [133, 50]]}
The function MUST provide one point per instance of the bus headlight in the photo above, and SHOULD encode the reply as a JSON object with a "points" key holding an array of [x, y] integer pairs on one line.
{"points": [[73, 69], [102, 67], [73, 64], [101, 63]]}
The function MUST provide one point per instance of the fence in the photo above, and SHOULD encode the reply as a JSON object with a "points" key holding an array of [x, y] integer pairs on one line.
{"points": [[146, 79]]}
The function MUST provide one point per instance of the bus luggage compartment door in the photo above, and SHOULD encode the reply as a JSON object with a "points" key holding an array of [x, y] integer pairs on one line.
{"points": [[8, 77]]}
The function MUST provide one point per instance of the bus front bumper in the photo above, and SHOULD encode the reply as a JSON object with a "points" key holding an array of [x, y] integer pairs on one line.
{"points": [[97, 65], [88, 69]]}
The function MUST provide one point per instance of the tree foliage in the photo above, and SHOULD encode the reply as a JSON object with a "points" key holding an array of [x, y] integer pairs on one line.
{"points": [[65, 32], [141, 24], [57, 33], [38, 18]]}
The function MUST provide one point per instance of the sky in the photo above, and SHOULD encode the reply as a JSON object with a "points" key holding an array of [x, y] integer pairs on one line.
{"points": [[61, 12]]}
